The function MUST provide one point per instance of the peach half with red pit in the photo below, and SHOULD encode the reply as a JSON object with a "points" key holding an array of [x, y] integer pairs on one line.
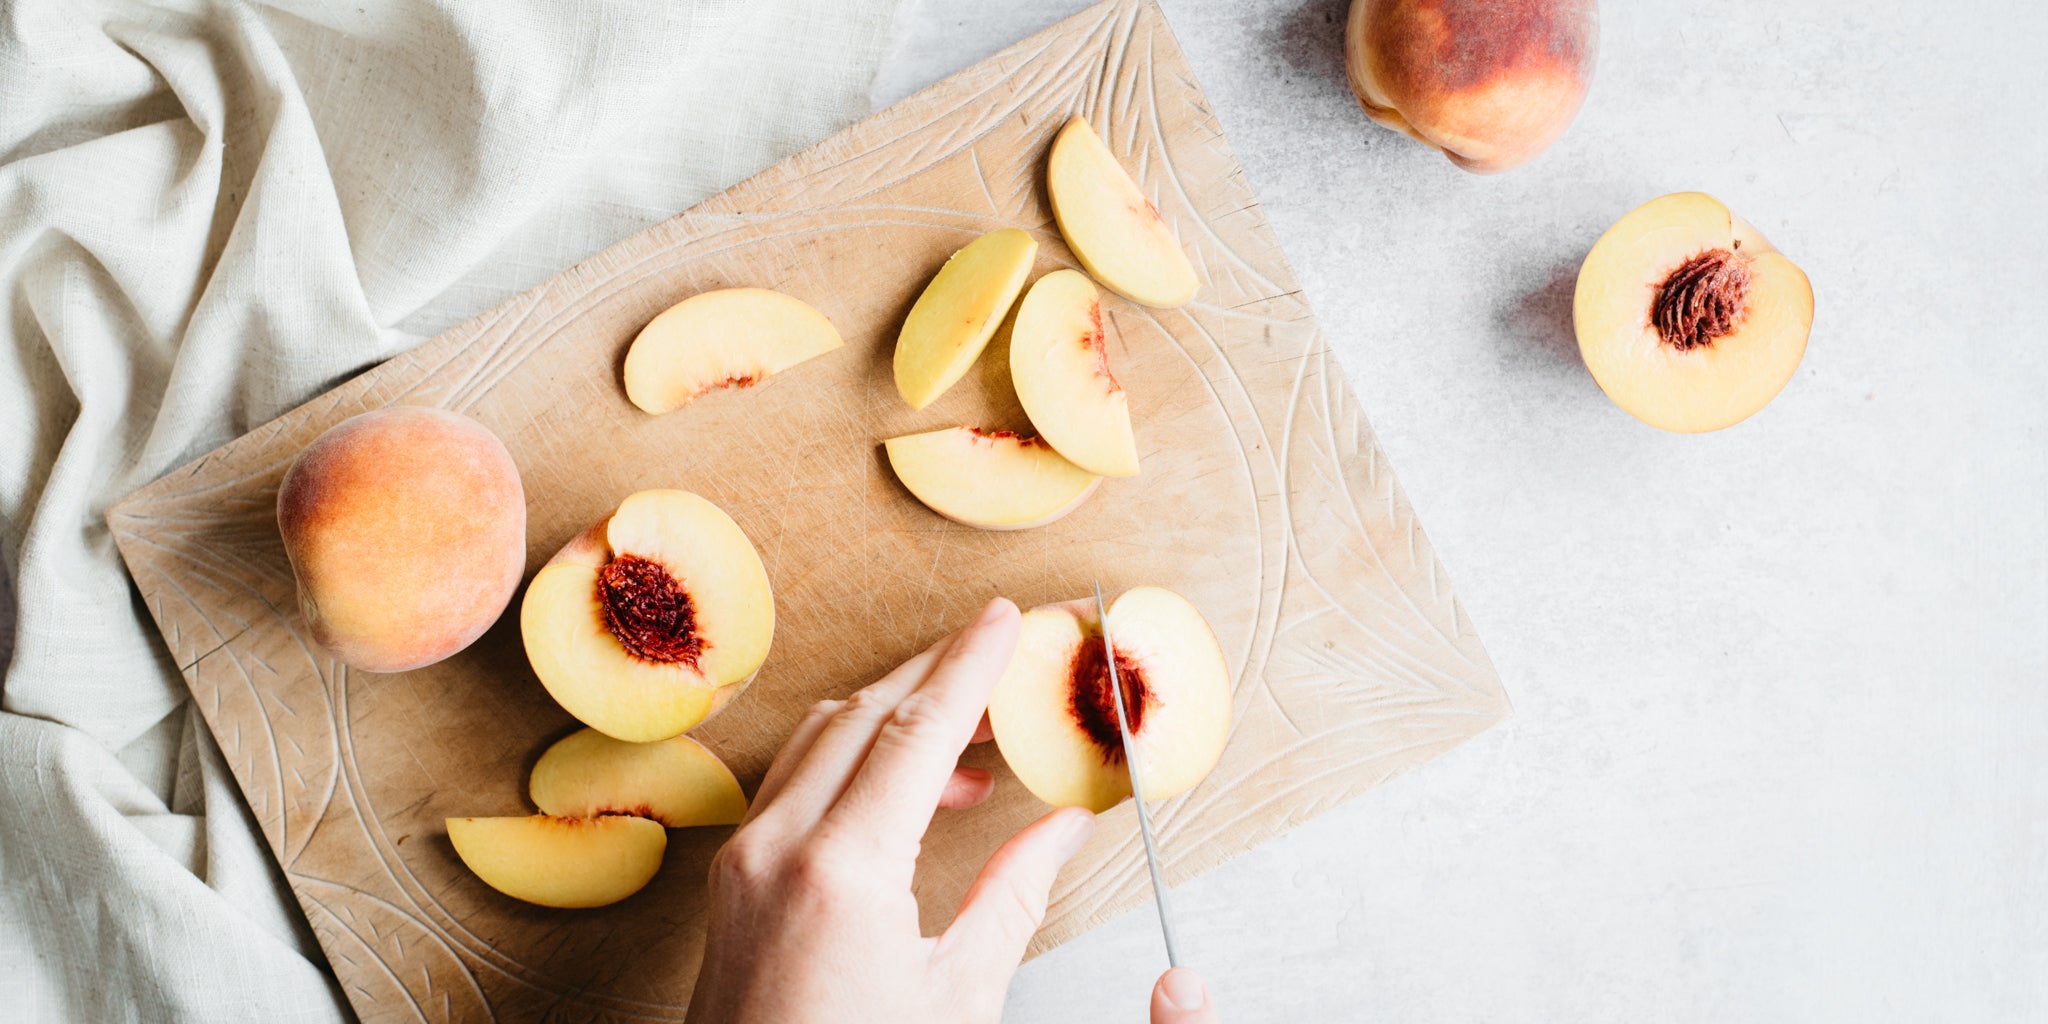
{"points": [[733, 337], [996, 480], [677, 781], [1687, 317], [648, 622], [1059, 362], [1054, 716]]}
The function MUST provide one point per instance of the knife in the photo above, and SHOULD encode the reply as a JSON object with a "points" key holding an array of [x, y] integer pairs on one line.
{"points": [[1123, 731]]}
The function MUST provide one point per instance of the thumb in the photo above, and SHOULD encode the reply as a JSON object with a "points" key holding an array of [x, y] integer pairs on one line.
{"points": [[1007, 902], [1181, 998]]}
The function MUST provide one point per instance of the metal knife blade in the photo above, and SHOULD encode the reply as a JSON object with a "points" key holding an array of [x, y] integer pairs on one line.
{"points": [[1123, 729]]}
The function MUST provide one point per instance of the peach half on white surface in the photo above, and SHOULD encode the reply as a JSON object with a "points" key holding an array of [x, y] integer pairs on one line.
{"points": [[732, 337], [996, 480], [649, 621], [1059, 362], [1112, 228], [1687, 317], [1054, 716]]}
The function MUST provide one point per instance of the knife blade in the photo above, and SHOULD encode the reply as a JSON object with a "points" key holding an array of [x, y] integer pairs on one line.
{"points": [[1123, 730]]}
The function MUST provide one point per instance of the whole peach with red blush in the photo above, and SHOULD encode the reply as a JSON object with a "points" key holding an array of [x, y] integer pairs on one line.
{"points": [[1491, 83]]}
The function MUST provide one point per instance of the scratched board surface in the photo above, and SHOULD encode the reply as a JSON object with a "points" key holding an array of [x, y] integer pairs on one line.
{"points": [[1264, 500]]}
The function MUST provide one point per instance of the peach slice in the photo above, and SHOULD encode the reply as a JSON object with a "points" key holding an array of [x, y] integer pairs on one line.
{"points": [[676, 781], [1109, 224], [650, 620], [1687, 317], [959, 311], [1055, 719], [1060, 364], [406, 531], [561, 862], [1490, 84], [993, 480], [733, 337]]}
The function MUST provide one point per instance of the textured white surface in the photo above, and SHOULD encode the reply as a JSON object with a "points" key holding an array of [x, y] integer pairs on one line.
{"points": [[1779, 690]]}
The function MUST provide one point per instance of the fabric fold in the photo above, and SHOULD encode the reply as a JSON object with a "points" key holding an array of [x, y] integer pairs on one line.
{"points": [[210, 212]]}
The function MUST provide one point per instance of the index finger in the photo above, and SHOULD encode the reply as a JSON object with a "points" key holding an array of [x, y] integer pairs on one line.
{"points": [[893, 796]]}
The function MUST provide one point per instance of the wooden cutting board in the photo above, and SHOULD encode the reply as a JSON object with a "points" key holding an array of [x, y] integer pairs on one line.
{"points": [[1264, 500]]}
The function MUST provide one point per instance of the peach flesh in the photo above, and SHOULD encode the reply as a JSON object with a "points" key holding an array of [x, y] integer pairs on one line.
{"points": [[1702, 300], [1094, 699], [648, 610]]}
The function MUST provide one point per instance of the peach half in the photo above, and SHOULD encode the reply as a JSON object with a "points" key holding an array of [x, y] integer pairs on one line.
{"points": [[1059, 361], [1054, 716], [650, 620], [561, 862], [733, 337], [1490, 83], [677, 781], [1112, 228], [1687, 317], [406, 531], [995, 480], [959, 312]]}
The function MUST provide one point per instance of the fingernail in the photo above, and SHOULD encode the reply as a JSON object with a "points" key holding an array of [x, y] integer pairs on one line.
{"points": [[1080, 825], [992, 611], [1184, 989]]}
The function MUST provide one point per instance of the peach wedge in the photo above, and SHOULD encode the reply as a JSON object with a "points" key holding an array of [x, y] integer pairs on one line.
{"points": [[1112, 228], [1687, 317], [959, 312], [650, 620], [1059, 361], [1055, 720], [993, 480], [734, 337], [561, 862], [676, 781], [406, 531]]}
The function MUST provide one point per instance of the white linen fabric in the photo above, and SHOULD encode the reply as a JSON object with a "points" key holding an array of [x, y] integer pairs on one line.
{"points": [[209, 213]]}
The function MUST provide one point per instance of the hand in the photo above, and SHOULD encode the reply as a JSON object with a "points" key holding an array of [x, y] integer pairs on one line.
{"points": [[1181, 998], [811, 913]]}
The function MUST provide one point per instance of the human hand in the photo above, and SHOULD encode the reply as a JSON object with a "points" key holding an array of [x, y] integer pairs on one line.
{"points": [[1181, 998], [812, 918]]}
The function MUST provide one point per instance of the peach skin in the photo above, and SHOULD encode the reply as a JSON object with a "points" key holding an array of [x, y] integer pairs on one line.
{"points": [[406, 530], [1491, 83]]}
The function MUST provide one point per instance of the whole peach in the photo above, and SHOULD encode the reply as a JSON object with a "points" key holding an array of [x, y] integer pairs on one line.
{"points": [[406, 530], [1491, 83]]}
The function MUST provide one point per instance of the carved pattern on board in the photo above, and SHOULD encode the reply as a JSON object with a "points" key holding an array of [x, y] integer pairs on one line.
{"points": [[1264, 499]]}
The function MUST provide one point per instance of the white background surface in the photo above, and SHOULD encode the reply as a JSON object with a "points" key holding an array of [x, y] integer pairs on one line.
{"points": [[1781, 742]]}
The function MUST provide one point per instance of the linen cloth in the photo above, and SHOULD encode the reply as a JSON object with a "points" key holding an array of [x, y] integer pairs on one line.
{"points": [[209, 213]]}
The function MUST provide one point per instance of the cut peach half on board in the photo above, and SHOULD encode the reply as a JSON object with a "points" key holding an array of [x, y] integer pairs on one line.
{"points": [[959, 311], [1059, 361], [561, 862], [651, 619], [1055, 719], [734, 337], [1113, 229], [677, 781], [995, 480], [1687, 317]]}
